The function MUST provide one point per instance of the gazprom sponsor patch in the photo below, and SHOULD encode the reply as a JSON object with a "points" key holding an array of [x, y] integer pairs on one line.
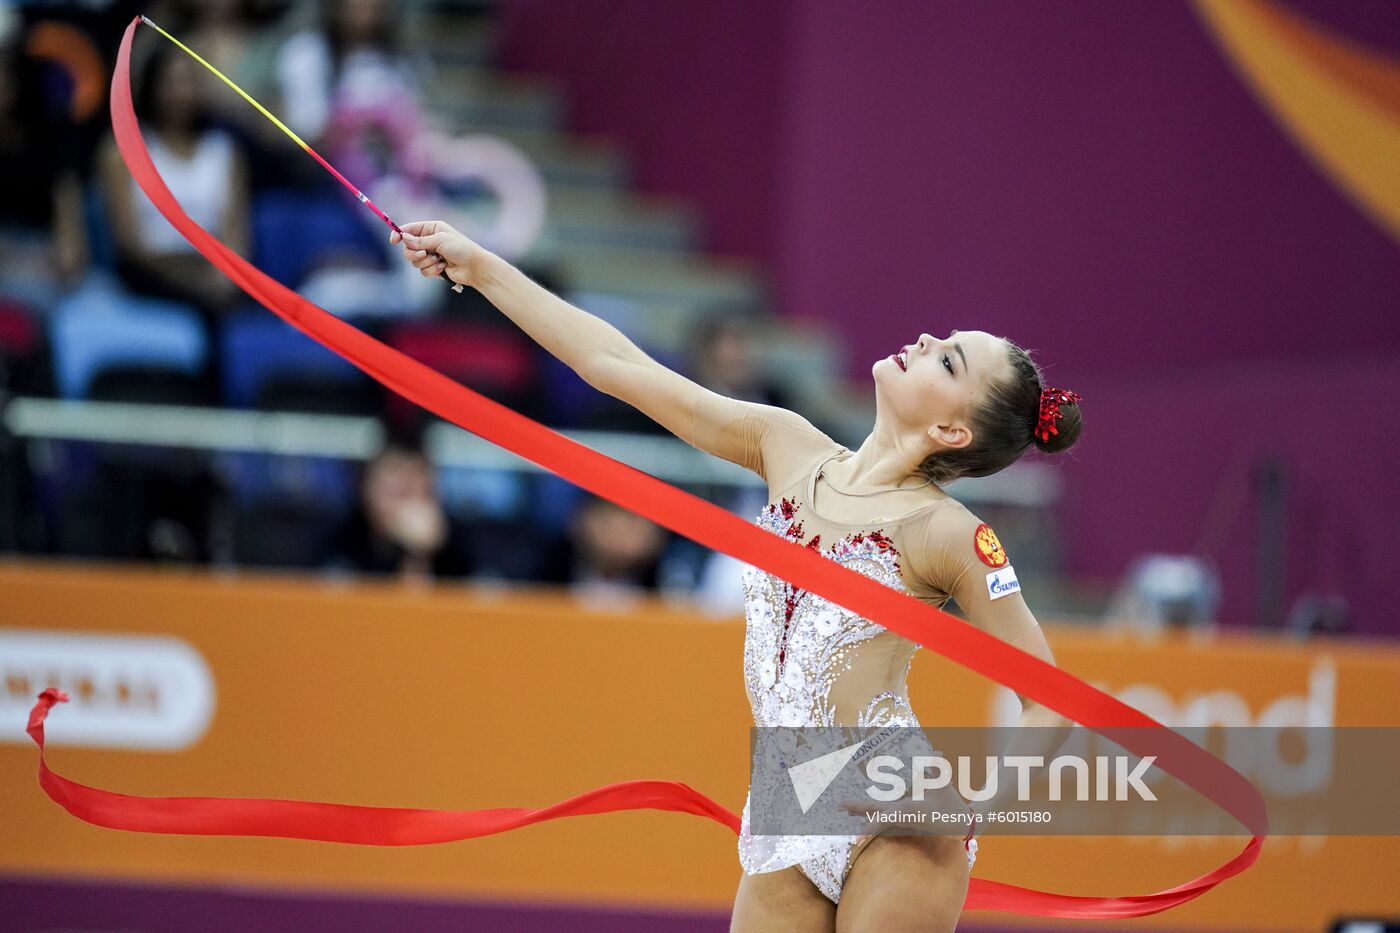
{"points": [[1002, 582]]}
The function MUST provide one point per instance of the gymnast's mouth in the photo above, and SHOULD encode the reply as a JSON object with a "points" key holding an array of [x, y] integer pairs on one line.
{"points": [[901, 359]]}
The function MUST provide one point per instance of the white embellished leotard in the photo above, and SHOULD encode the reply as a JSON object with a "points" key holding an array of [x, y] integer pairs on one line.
{"points": [[810, 662]]}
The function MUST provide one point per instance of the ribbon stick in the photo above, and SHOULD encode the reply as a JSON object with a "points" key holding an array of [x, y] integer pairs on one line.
{"points": [[359, 195], [688, 515]]}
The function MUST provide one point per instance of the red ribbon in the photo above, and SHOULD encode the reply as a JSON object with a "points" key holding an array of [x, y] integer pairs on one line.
{"points": [[685, 514]]}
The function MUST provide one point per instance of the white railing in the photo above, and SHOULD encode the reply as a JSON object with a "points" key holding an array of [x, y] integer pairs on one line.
{"points": [[1029, 485]]}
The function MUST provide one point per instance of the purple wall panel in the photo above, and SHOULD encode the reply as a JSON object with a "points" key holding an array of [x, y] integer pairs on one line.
{"points": [[1169, 461], [694, 89], [1093, 180]]}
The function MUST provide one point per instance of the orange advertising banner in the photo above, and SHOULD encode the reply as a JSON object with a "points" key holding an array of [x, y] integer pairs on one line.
{"points": [[188, 683]]}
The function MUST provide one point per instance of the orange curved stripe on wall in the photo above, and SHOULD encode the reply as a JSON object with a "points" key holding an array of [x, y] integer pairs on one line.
{"points": [[68, 47], [1373, 74], [1340, 103]]}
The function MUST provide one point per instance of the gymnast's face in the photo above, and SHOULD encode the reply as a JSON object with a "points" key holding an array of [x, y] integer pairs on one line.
{"points": [[932, 385]]}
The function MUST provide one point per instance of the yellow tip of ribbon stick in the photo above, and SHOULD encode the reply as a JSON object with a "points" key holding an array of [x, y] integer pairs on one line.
{"points": [[224, 78]]}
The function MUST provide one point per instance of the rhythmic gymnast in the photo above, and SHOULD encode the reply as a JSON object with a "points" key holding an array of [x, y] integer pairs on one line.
{"points": [[966, 405]]}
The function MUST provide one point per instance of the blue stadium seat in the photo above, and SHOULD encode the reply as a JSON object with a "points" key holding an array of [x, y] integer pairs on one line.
{"points": [[567, 396], [254, 478], [100, 328], [257, 350], [554, 503], [280, 245]]}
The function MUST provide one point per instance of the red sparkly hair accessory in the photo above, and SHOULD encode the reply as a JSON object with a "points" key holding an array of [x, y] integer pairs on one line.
{"points": [[1050, 402]]}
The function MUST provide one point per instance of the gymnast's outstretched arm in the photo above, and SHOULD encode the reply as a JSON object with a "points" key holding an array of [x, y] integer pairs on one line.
{"points": [[762, 438]]}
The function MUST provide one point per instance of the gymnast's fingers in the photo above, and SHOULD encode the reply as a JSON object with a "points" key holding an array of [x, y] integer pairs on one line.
{"points": [[423, 227]]}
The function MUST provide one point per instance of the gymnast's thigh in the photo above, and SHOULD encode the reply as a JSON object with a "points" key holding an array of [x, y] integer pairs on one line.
{"points": [[901, 884], [781, 900]]}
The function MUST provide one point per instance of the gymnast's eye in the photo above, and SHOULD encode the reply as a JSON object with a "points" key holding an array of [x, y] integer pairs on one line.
{"points": [[948, 364]]}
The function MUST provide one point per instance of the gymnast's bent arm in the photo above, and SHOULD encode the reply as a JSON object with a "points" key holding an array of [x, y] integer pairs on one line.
{"points": [[746, 433]]}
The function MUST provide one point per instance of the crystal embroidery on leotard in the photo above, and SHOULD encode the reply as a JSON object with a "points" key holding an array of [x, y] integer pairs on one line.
{"points": [[796, 647], [798, 643]]}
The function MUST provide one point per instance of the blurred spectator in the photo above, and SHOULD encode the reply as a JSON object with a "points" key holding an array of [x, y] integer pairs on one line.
{"points": [[1165, 591], [242, 38], [1319, 613], [724, 359], [205, 170], [351, 86], [346, 86], [41, 242], [608, 552], [719, 589], [353, 60], [233, 36], [399, 526]]}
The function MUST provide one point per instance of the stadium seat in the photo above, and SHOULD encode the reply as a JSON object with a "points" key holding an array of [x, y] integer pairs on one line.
{"points": [[265, 363], [280, 247], [22, 363], [567, 397], [554, 500], [285, 534], [18, 332], [98, 330], [498, 363], [148, 385]]}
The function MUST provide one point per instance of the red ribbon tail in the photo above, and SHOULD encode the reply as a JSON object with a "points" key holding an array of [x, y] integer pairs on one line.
{"points": [[333, 822]]}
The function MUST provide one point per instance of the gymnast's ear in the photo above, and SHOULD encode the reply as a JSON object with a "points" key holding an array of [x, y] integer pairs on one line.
{"points": [[950, 436]]}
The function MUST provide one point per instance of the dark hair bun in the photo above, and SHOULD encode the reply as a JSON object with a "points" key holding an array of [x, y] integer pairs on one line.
{"points": [[1070, 423]]}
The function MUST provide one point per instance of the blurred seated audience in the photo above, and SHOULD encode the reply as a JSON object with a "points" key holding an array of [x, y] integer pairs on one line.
{"points": [[41, 243], [242, 38], [608, 553], [206, 171], [399, 527]]}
